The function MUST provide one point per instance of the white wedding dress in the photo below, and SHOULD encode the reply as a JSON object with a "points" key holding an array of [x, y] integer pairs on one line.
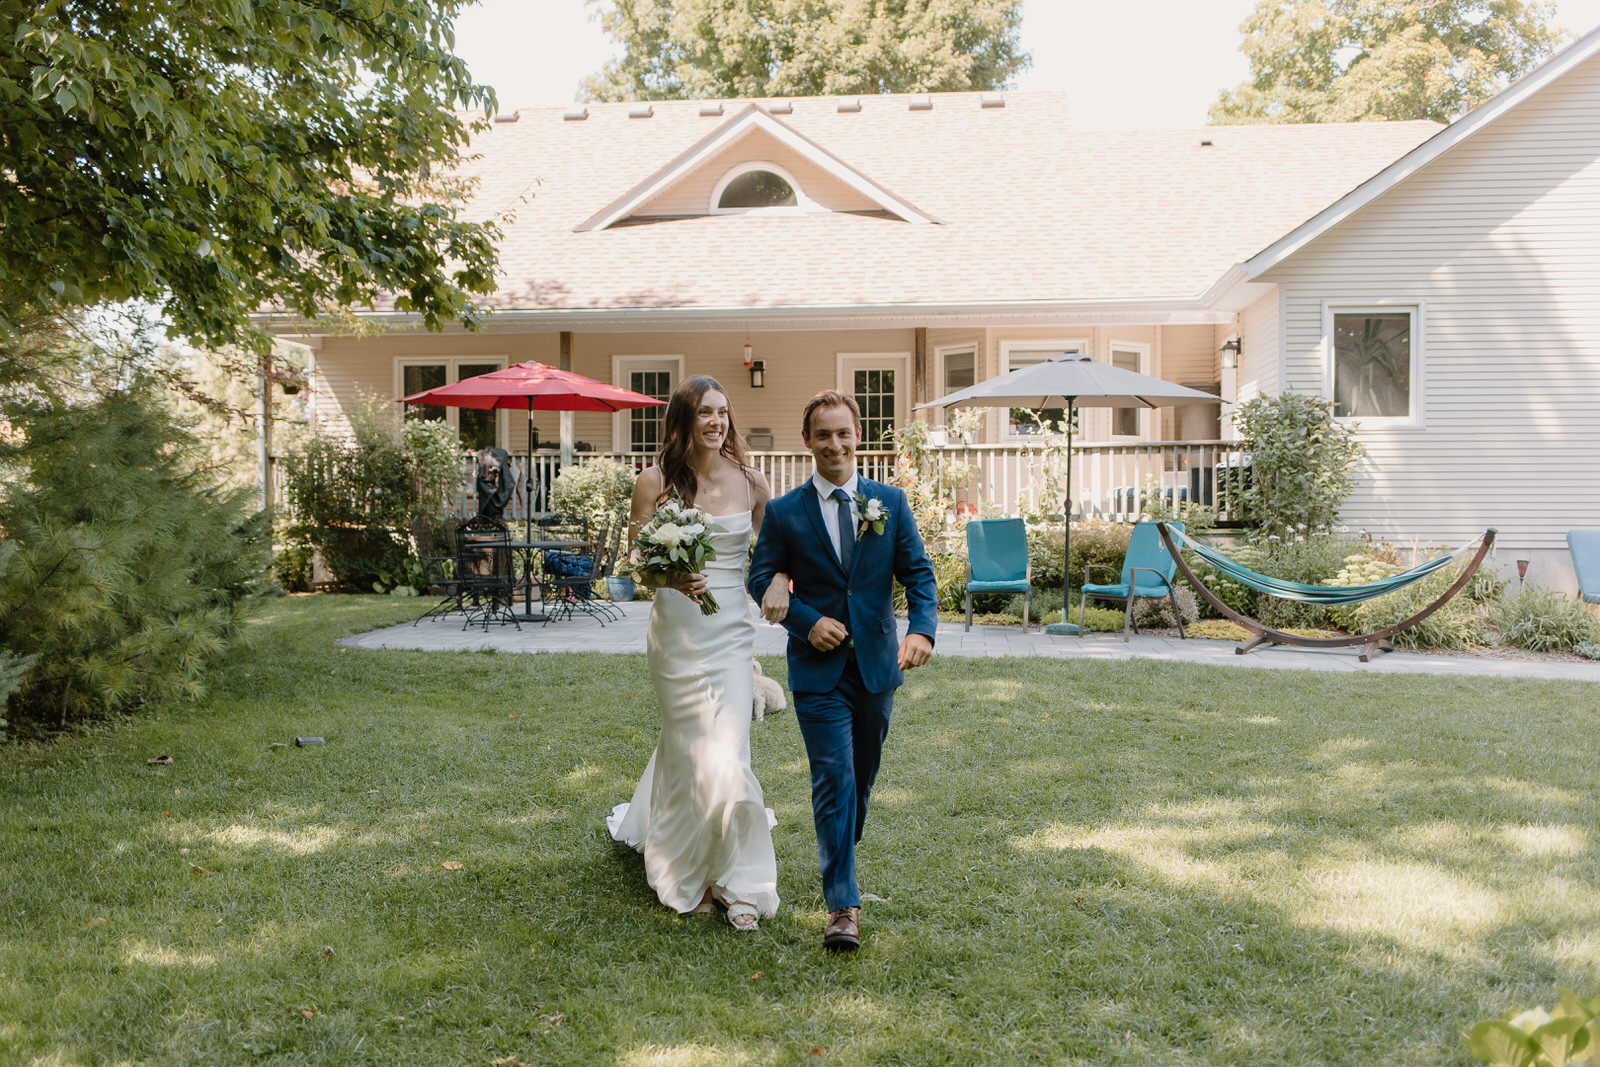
{"points": [[698, 814]]}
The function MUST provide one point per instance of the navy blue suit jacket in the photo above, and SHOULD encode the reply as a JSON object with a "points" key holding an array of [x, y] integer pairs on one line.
{"points": [[795, 541]]}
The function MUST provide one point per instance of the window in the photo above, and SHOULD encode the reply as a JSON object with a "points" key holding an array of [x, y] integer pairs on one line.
{"points": [[477, 429], [959, 368], [878, 381], [641, 429], [756, 189], [1014, 355], [1128, 422], [758, 186], [1374, 362]]}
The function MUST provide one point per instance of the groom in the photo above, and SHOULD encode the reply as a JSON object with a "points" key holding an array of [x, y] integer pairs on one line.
{"points": [[842, 539]]}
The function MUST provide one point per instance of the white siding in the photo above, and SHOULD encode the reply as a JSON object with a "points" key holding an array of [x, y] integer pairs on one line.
{"points": [[1499, 241]]}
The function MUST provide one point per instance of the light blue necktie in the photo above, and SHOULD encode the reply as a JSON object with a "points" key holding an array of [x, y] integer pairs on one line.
{"points": [[847, 533]]}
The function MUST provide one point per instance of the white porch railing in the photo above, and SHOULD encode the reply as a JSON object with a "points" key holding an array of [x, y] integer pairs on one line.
{"points": [[1111, 481]]}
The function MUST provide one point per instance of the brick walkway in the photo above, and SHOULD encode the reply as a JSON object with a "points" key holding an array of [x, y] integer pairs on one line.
{"points": [[582, 634]]}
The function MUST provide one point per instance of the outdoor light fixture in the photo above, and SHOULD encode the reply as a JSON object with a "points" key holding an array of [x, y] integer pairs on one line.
{"points": [[1232, 349], [758, 371], [749, 354], [1522, 571]]}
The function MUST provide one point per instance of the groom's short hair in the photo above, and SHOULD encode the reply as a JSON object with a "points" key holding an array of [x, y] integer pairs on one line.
{"points": [[826, 399]]}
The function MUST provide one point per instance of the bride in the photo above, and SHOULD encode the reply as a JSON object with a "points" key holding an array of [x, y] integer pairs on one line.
{"points": [[698, 814]]}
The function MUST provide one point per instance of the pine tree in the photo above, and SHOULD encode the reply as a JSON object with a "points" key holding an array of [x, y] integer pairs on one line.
{"points": [[131, 569]]}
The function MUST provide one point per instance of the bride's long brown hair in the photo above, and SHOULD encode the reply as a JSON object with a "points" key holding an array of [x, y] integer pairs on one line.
{"points": [[677, 439]]}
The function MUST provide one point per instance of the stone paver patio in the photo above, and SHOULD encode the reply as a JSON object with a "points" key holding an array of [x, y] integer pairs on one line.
{"points": [[582, 634]]}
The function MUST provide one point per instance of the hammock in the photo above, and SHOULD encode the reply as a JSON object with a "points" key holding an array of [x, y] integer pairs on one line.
{"points": [[1377, 641], [1319, 594]]}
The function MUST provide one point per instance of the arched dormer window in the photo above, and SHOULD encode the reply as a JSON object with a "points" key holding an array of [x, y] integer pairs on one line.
{"points": [[758, 186]]}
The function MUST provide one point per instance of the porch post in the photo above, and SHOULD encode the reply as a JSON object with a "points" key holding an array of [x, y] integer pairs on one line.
{"points": [[919, 367], [567, 417]]}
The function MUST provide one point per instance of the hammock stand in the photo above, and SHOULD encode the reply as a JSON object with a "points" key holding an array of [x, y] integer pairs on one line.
{"points": [[1377, 641]]}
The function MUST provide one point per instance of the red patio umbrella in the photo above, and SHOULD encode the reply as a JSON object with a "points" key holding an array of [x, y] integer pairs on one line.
{"points": [[533, 387]]}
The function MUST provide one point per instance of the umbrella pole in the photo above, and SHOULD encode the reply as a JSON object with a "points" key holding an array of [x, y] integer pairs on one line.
{"points": [[1065, 627], [527, 481]]}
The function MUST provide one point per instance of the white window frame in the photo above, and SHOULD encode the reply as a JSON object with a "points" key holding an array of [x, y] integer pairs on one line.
{"points": [[1413, 419], [452, 415], [940, 354], [847, 363], [803, 203], [1142, 350], [1069, 346], [621, 368]]}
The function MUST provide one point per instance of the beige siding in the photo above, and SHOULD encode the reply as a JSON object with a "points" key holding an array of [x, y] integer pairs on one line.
{"points": [[1499, 241], [798, 364], [1258, 373], [692, 195]]}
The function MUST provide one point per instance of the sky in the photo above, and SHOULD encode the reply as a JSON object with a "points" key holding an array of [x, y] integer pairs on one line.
{"points": [[1126, 64]]}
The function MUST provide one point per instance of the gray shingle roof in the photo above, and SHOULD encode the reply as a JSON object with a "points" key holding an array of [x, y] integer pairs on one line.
{"points": [[1030, 210]]}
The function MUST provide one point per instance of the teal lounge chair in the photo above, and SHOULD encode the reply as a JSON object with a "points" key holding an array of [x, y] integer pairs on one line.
{"points": [[1585, 548], [997, 562], [1147, 573]]}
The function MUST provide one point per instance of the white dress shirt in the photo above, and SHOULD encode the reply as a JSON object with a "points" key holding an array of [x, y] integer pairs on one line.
{"points": [[830, 507]]}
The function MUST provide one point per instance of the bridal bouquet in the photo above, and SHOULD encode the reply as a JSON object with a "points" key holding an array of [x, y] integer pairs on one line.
{"points": [[675, 542]]}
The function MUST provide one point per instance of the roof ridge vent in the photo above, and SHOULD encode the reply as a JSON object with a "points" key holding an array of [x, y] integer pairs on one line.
{"points": [[640, 111], [710, 110], [849, 105], [575, 113], [781, 107], [920, 103], [501, 116], [992, 100]]}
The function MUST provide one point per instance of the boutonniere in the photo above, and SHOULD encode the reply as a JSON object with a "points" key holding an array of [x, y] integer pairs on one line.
{"points": [[873, 514]]}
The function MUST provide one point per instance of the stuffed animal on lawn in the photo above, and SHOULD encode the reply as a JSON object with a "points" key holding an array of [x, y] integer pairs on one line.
{"points": [[769, 694]]}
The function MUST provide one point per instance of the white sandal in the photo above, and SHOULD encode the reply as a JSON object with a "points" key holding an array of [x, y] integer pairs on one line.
{"points": [[743, 917]]}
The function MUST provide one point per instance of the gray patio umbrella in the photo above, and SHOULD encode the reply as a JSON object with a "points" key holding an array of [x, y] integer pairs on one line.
{"points": [[1071, 382]]}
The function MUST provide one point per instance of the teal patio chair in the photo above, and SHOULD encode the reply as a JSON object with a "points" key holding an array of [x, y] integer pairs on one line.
{"points": [[997, 562], [1147, 573], [1585, 548]]}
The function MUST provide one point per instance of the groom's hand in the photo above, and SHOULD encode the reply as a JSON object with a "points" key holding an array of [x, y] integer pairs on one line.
{"points": [[915, 650], [828, 634]]}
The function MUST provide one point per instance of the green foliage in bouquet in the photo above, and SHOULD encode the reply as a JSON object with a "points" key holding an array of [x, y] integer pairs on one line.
{"points": [[1537, 1038], [675, 542]]}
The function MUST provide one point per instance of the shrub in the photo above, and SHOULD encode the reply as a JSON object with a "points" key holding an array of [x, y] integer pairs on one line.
{"points": [[1587, 649], [1543, 621], [132, 567], [1309, 561], [1046, 603], [1101, 544], [600, 492], [1301, 463], [949, 576], [369, 504], [1157, 614], [1456, 625]]}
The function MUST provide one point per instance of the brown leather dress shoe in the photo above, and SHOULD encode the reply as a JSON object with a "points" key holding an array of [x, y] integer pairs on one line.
{"points": [[843, 933]]}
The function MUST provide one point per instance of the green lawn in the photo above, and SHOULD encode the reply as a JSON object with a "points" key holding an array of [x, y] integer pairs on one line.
{"points": [[1095, 863]]}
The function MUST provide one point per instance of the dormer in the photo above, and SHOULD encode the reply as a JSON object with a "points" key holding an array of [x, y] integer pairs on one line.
{"points": [[753, 164]]}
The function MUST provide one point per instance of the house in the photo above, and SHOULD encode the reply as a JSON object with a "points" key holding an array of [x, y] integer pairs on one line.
{"points": [[902, 246]]}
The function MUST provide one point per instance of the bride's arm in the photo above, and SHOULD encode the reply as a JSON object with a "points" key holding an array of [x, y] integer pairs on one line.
{"points": [[647, 490], [775, 601]]}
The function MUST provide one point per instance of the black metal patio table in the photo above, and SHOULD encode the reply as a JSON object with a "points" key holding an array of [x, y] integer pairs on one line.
{"points": [[527, 550]]}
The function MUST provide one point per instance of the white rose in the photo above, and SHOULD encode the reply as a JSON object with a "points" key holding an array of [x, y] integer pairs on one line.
{"points": [[874, 510], [693, 530], [668, 534]]}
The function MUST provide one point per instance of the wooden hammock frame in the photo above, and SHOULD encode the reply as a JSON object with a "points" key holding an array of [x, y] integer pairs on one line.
{"points": [[1377, 641]]}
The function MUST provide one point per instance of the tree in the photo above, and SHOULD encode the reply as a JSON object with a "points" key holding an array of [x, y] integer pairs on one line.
{"points": [[1302, 464], [1358, 60], [678, 49], [218, 158]]}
